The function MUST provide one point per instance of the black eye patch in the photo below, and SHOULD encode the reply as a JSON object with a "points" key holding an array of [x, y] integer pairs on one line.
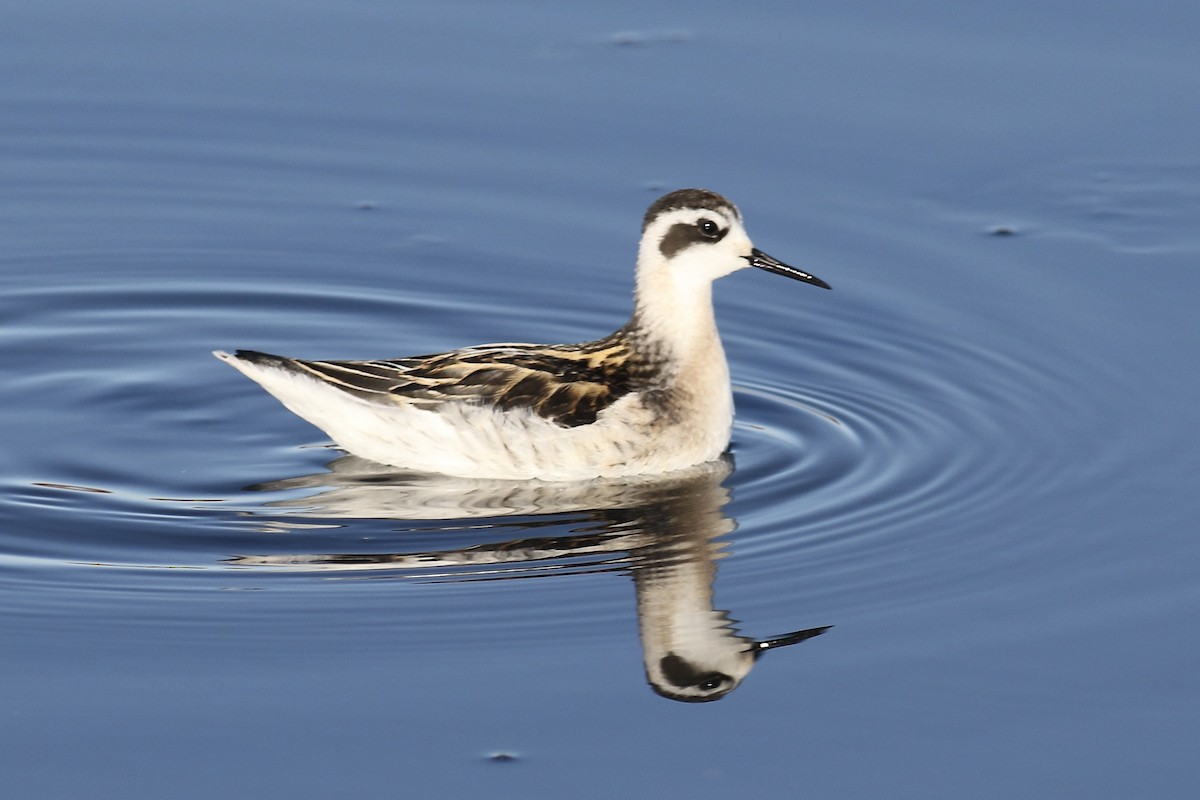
{"points": [[686, 234], [682, 674]]}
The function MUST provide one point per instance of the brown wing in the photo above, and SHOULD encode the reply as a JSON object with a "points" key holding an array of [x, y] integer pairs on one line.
{"points": [[568, 384]]}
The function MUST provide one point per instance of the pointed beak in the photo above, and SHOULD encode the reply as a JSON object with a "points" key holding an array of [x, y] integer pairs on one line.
{"points": [[758, 258], [796, 637]]}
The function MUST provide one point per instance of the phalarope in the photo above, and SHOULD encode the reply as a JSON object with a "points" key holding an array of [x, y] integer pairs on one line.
{"points": [[653, 397]]}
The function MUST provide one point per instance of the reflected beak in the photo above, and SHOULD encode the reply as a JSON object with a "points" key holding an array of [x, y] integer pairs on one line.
{"points": [[796, 637], [758, 258]]}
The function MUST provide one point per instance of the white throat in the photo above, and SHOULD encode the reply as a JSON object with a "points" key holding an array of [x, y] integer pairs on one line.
{"points": [[673, 307]]}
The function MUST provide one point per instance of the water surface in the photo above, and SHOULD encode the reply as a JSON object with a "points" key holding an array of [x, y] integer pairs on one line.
{"points": [[974, 458]]}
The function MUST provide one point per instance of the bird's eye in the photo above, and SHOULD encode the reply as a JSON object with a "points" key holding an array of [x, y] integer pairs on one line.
{"points": [[709, 229]]}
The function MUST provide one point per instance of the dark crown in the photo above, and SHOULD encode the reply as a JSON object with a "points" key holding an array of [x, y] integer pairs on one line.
{"points": [[688, 198]]}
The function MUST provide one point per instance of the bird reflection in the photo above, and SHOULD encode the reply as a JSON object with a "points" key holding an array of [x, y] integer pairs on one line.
{"points": [[667, 533]]}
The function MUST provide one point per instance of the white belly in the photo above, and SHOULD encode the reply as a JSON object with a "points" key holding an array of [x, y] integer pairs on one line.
{"points": [[629, 437]]}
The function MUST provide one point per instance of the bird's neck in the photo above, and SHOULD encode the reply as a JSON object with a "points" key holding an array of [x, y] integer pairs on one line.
{"points": [[675, 320], [676, 331]]}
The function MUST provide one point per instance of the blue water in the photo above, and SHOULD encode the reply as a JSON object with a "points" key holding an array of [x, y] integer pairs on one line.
{"points": [[975, 458]]}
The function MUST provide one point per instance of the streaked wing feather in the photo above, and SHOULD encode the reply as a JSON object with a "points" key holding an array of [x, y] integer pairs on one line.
{"points": [[568, 384]]}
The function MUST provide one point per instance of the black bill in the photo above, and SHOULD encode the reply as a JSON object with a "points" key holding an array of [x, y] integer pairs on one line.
{"points": [[758, 648], [758, 258]]}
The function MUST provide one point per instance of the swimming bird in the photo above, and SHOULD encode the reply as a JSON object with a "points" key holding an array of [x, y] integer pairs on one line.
{"points": [[653, 397]]}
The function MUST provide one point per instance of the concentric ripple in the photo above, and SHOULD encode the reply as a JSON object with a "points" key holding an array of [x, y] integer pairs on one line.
{"points": [[893, 447], [151, 468]]}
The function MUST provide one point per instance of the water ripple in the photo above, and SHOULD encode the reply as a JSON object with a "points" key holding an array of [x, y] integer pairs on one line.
{"points": [[867, 447]]}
